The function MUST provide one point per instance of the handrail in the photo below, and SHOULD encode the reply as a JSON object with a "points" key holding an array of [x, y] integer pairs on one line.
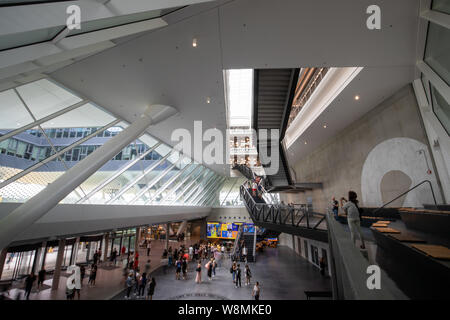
{"points": [[432, 192]]}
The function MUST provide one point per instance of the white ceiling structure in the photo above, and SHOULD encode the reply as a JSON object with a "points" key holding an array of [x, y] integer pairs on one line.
{"points": [[160, 65]]}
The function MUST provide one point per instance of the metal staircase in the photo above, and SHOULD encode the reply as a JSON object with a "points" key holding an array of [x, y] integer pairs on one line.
{"points": [[273, 93]]}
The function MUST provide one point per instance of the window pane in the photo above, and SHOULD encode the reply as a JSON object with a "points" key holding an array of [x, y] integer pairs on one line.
{"points": [[437, 54], [441, 109], [44, 97], [441, 6], [13, 113]]}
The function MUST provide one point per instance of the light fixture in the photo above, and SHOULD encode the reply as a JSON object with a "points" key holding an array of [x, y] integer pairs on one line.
{"points": [[325, 126], [208, 100], [306, 142], [18, 123], [356, 97], [194, 42]]}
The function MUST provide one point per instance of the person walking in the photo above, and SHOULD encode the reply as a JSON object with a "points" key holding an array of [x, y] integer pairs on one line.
{"points": [[82, 274], [142, 285], [129, 282], [233, 271], [151, 289], [208, 267], [147, 267], [114, 257], [353, 212], [178, 264], [29, 280], [149, 246], [335, 207], [191, 252], [41, 278], [198, 278], [95, 256], [248, 275], [238, 276], [214, 266], [184, 268], [256, 291], [244, 253], [92, 275]]}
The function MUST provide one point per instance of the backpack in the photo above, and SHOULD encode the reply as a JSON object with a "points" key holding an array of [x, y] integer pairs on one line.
{"points": [[231, 270]]}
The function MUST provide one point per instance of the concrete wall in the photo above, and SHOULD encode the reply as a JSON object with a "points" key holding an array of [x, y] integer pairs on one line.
{"points": [[379, 156]]}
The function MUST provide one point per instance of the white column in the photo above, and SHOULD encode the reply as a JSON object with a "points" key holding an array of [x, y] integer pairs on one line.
{"points": [[25, 215]]}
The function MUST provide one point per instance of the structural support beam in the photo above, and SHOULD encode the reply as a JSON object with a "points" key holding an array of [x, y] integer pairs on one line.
{"points": [[58, 264], [28, 213]]}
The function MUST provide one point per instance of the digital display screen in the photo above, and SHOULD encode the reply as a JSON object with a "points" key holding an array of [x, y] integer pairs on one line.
{"points": [[228, 230]]}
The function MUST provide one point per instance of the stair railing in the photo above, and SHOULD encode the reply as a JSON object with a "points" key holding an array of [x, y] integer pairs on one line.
{"points": [[236, 242]]}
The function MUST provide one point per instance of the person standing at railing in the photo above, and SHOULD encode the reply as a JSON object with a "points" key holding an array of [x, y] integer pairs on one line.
{"points": [[335, 208], [354, 223]]}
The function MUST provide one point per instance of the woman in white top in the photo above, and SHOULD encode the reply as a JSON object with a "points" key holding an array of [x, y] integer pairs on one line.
{"points": [[351, 208]]}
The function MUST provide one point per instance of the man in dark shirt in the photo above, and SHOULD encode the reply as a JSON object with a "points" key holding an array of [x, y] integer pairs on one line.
{"points": [[29, 284], [238, 276], [41, 278]]}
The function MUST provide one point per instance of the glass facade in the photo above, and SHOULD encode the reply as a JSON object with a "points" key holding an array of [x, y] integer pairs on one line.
{"points": [[145, 172]]}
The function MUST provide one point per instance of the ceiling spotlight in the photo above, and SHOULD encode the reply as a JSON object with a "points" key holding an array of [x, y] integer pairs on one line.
{"points": [[356, 97], [208, 100], [194, 42], [324, 125], [306, 142]]}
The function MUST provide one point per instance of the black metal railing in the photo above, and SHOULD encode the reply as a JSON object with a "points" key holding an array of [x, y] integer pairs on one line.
{"points": [[274, 213], [406, 192]]}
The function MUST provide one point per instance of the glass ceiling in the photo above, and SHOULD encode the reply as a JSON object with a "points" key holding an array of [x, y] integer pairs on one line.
{"points": [[239, 87], [35, 152]]}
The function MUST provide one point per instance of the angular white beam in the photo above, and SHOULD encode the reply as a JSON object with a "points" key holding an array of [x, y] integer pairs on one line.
{"points": [[25, 215]]}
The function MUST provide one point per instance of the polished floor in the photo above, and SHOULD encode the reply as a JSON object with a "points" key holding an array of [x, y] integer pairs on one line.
{"points": [[282, 275]]}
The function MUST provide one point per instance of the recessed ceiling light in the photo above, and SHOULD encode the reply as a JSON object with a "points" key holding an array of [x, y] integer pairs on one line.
{"points": [[306, 142], [194, 42], [356, 97], [208, 100], [324, 125]]}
